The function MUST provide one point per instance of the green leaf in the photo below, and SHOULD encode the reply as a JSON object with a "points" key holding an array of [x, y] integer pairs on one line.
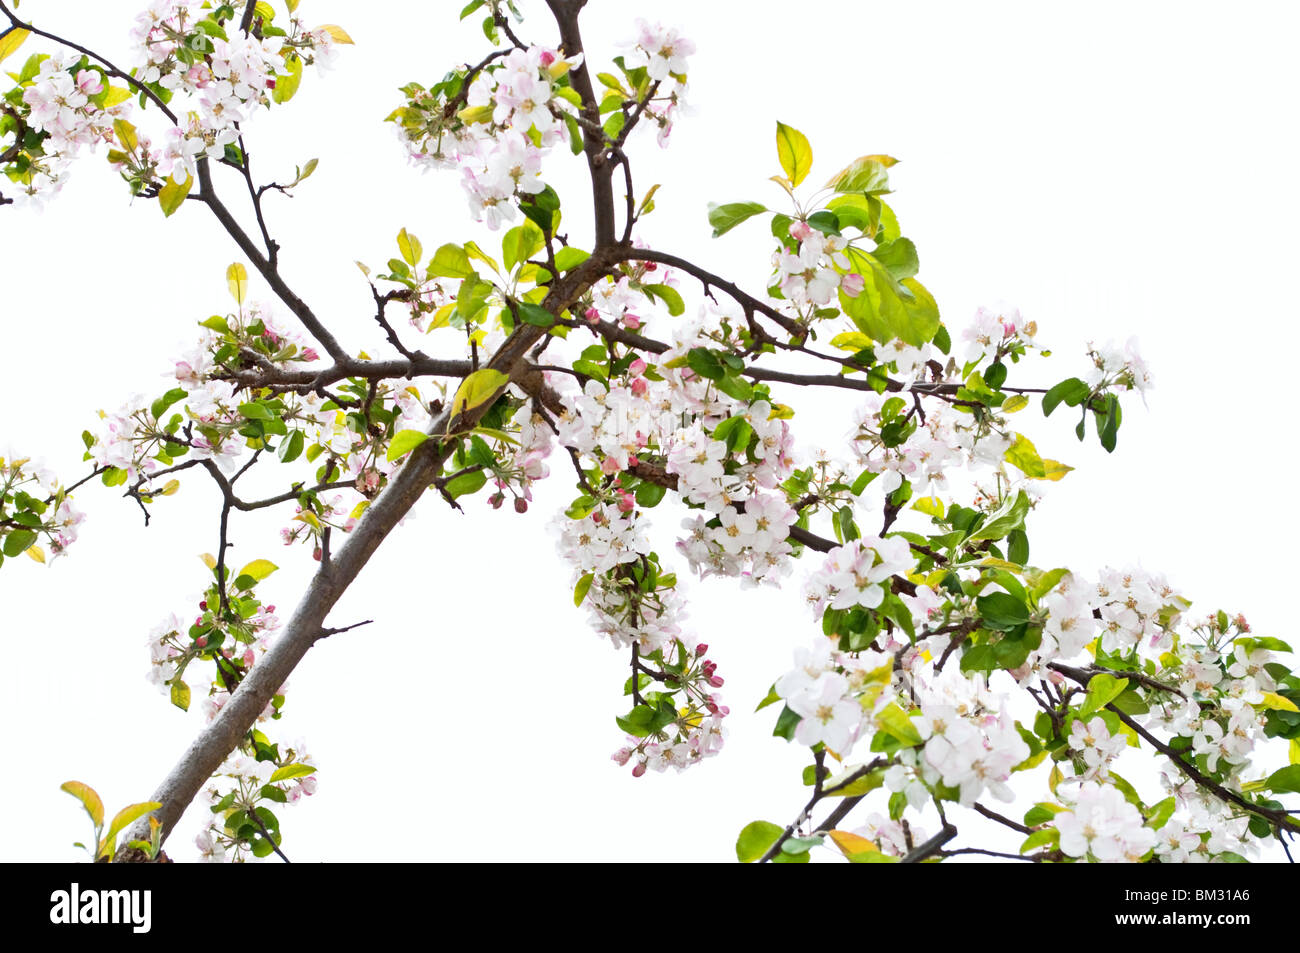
{"points": [[18, 541], [1102, 690], [410, 247], [172, 196], [724, 218], [755, 839], [1001, 611], [899, 258], [159, 406], [521, 243], [291, 448], [450, 261], [669, 295], [582, 588], [255, 411], [466, 484], [1160, 813], [1072, 392], [795, 153], [404, 441], [1285, 780], [477, 389], [536, 315], [1010, 515], [570, 257], [180, 695]]}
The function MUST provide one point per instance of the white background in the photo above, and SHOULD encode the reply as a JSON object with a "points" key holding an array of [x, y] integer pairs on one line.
{"points": [[1112, 169]]}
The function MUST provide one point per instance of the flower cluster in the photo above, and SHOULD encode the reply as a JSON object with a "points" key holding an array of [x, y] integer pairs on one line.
{"points": [[67, 104], [34, 505], [240, 794], [812, 273], [1103, 825]]}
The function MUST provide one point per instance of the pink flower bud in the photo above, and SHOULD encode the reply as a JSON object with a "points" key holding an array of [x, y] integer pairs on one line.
{"points": [[201, 641], [626, 502], [700, 649], [316, 554], [800, 230], [638, 770], [496, 499], [716, 681], [609, 465], [547, 57], [521, 505], [592, 316], [631, 322], [636, 368], [853, 283], [309, 354], [639, 387], [204, 605]]}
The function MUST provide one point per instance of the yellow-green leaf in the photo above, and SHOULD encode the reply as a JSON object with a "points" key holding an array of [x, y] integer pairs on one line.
{"points": [[1014, 403], [410, 247], [124, 817], [1277, 702], [475, 114], [1024, 456], [1041, 838], [404, 441], [180, 695], [259, 569], [851, 844], [290, 771], [1053, 469], [116, 96], [930, 506], [265, 10], [852, 341], [794, 151], [209, 560], [895, 722], [287, 84], [11, 41], [35, 553], [1294, 751], [450, 261], [88, 798], [477, 388], [125, 134], [338, 34], [237, 282], [172, 196]]}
